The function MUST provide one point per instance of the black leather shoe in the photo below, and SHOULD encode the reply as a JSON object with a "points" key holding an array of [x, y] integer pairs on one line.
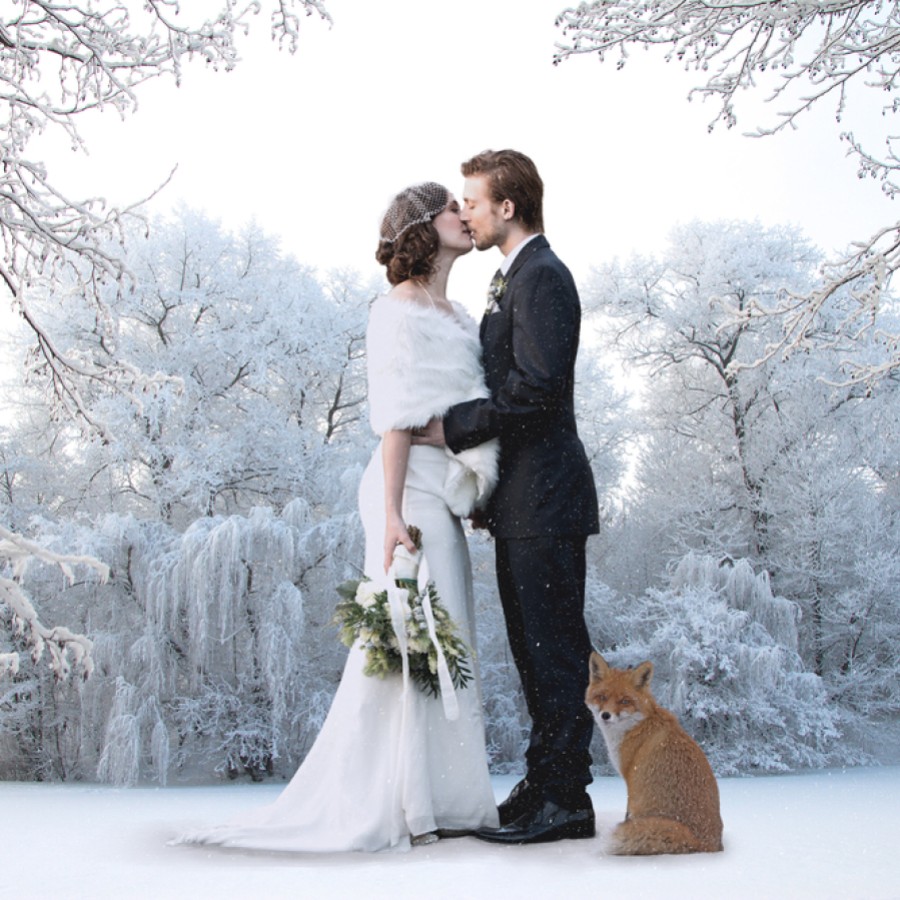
{"points": [[524, 798], [551, 822]]}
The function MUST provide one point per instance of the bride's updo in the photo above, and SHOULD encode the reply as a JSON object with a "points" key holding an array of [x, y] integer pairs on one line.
{"points": [[409, 242]]}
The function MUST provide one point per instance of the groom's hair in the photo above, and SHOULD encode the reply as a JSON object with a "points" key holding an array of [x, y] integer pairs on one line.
{"points": [[511, 176]]}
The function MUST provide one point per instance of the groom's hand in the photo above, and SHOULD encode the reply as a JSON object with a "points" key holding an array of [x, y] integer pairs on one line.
{"points": [[432, 434]]}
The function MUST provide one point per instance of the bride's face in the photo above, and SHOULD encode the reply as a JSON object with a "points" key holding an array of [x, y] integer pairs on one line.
{"points": [[452, 231]]}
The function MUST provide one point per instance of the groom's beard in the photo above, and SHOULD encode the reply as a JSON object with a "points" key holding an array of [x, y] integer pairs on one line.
{"points": [[485, 238]]}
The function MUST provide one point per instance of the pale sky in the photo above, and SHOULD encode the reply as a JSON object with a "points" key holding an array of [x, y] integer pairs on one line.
{"points": [[313, 146]]}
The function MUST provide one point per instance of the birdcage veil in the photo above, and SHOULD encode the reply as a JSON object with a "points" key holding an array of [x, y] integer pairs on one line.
{"points": [[413, 206]]}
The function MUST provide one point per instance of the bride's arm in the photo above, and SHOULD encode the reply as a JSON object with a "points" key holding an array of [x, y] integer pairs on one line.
{"points": [[395, 453]]}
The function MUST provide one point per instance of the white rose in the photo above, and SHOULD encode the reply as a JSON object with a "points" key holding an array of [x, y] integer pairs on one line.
{"points": [[366, 594]]}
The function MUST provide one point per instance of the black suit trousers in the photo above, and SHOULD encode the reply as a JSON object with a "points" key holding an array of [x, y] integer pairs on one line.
{"points": [[541, 581]]}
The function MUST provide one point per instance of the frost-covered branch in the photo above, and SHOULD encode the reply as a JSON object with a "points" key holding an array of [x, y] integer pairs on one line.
{"points": [[58, 61], [805, 51], [825, 44], [65, 648], [286, 22], [860, 281]]}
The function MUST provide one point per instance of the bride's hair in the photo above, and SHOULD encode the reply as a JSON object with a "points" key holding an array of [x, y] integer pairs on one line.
{"points": [[409, 242]]}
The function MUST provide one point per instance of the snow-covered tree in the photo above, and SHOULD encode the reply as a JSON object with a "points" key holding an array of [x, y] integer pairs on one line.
{"points": [[725, 651], [603, 420], [806, 52], [213, 649], [65, 647], [684, 319], [61, 61], [257, 367], [259, 400], [774, 463]]}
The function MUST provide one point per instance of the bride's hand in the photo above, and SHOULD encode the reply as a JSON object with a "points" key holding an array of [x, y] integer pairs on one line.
{"points": [[432, 434], [395, 533]]}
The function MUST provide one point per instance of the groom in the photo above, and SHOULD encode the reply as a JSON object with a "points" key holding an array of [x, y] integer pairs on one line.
{"points": [[545, 503]]}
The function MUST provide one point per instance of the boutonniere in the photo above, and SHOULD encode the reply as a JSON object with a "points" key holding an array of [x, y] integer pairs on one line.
{"points": [[495, 293]]}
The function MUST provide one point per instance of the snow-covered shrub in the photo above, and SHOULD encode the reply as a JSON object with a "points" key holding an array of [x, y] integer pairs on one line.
{"points": [[209, 656], [726, 662]]}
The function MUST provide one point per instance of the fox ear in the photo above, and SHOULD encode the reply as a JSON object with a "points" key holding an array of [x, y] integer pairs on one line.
{"points": [[599, 667], [642, 674]]}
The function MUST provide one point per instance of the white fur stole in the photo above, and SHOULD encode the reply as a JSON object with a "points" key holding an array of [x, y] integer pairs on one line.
{"points": [[420, 363]]}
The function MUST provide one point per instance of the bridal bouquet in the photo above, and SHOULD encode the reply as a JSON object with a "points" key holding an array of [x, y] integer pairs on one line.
{"points": [[364, 613]]}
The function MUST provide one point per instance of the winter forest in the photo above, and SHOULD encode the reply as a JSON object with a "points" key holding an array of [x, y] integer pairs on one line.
{"points": [[185, 426]]}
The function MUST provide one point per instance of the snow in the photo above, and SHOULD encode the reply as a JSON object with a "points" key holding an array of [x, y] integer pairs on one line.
{"points": [[825, 834]]}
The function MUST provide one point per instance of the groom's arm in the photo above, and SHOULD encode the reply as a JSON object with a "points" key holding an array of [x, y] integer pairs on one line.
{"points": [[546, 320]]}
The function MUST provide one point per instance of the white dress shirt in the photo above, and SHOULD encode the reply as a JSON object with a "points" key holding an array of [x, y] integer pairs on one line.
{"points": [[510, 257]]}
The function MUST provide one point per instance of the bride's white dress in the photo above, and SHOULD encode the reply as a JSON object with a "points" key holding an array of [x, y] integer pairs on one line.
{"points": [[387, 764]]}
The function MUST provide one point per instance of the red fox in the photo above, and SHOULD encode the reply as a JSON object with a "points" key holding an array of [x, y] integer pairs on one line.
{"points": [[673, 799]]}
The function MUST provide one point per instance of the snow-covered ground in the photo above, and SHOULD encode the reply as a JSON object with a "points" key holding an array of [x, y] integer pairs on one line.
{"points": [[832, 834]]}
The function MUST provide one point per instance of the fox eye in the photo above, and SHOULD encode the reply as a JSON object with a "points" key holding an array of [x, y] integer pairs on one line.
{"points": [[624, 701], [601, 698]]}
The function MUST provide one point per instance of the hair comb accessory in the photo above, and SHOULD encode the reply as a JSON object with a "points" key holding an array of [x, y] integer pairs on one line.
{"points": [[413, 206]]}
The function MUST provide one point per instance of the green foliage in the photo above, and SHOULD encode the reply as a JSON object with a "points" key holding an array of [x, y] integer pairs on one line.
{"points": [[364, 615]]}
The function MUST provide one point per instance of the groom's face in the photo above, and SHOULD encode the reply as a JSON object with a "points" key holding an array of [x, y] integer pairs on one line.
{"points": [[484, 218]]}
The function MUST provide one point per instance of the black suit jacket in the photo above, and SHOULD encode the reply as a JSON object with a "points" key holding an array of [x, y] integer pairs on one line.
{"points": [[530, 342]]}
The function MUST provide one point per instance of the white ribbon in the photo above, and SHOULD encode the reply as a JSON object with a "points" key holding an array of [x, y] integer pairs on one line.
{"points": [[397, 598], [448, 692]]}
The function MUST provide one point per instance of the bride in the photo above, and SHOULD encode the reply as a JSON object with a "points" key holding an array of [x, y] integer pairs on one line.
{"points": [[389, 767]]}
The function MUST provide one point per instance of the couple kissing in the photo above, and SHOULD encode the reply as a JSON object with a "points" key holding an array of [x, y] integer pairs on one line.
{"points": [[475, 420]]}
